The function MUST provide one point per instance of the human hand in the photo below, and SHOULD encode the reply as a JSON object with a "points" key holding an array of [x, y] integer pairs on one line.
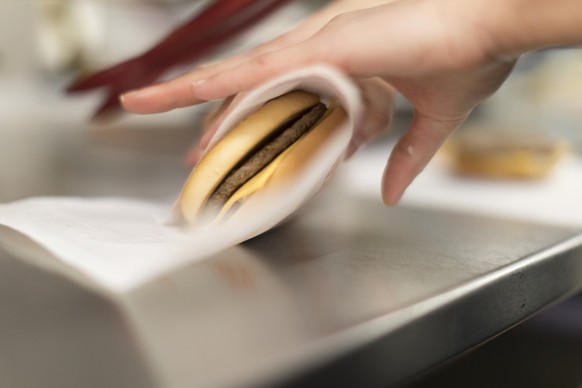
{"points": [[377, 98], [445, 68], [177, 93], [377, 95]]}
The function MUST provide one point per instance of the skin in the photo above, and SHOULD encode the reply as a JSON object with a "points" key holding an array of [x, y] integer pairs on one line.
{"points": [[444, 56]]}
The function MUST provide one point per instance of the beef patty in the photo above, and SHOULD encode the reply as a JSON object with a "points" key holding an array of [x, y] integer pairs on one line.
{"points": [[265, 155]]}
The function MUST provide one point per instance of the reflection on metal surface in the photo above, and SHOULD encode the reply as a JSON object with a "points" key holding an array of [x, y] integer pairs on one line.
{"points": [[349, 291], [543, 352], [331, 282]]}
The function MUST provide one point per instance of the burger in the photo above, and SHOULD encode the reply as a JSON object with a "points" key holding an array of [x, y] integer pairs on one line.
{"points": [[493, 153], [259, 155]]}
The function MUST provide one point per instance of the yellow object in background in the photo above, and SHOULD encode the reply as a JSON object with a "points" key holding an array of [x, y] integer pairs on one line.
{"points": [[509, 155]]}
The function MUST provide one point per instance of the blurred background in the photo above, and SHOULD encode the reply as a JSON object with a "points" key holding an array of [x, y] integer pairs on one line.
{"points": [[48, 146], [48, 136]]}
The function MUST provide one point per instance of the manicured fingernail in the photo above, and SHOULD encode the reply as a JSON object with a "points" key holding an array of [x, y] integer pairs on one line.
{"points": [[209, 64], [137, 93], [195, 88]]}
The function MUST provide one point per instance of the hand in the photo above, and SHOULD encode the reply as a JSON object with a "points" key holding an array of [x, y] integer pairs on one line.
{"points": [[378, 96], [437, 54], [177, 93]]}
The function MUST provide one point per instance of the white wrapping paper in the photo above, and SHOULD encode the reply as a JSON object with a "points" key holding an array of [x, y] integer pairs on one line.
{"points": [[122, 243]]}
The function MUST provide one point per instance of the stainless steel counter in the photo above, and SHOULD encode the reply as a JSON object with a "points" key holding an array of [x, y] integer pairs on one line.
{"points": [[349, 293]]}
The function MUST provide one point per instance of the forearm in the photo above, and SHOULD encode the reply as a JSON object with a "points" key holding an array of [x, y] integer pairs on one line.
{"points": [[519, 26]]}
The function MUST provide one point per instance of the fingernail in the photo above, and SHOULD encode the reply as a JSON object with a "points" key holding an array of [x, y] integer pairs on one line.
{"points": [[209, 64], [194, 88], [136, 93]]}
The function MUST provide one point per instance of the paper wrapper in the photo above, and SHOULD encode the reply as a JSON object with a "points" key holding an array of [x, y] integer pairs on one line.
{"points": [[120, 244]]}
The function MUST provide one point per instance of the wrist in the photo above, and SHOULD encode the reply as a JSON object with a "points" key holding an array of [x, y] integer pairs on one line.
{"points": [[514, 27]]}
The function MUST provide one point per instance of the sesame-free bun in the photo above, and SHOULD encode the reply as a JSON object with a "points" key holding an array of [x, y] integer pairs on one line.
{"points": [[496, 154], [229, 152]]}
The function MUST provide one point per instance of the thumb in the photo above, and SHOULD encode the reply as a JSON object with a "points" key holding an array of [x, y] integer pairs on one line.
{"points": [[413, 151], [259, 69]]}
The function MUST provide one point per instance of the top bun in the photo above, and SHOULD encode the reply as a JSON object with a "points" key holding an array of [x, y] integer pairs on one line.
{"points": [[216, 164]]}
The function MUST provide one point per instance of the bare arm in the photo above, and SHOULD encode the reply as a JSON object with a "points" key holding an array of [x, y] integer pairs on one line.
{"points": [[520, 26]]}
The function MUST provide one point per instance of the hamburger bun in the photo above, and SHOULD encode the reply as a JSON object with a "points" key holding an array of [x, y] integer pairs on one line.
{"points": [[262, 152], [496, 154]]}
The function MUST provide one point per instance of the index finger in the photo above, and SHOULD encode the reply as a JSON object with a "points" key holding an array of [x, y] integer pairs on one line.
{"points": [[178, 92], [259, 69]]}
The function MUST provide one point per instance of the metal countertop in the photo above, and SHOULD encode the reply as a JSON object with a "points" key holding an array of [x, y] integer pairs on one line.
{"points": [[349, 293]]}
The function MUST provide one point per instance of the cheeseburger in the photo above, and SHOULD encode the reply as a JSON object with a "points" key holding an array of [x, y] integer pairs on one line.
{"points": [[507, 155], [262, 152]]}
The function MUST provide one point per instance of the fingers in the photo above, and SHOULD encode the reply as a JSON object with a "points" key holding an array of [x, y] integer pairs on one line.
{"points": [[413, 152], [261, 68], [178, 93], [242, 72], [161, 98], [378, 99]]}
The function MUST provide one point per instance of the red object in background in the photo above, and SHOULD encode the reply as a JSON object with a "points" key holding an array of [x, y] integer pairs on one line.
{"points": [[215, 25]]}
